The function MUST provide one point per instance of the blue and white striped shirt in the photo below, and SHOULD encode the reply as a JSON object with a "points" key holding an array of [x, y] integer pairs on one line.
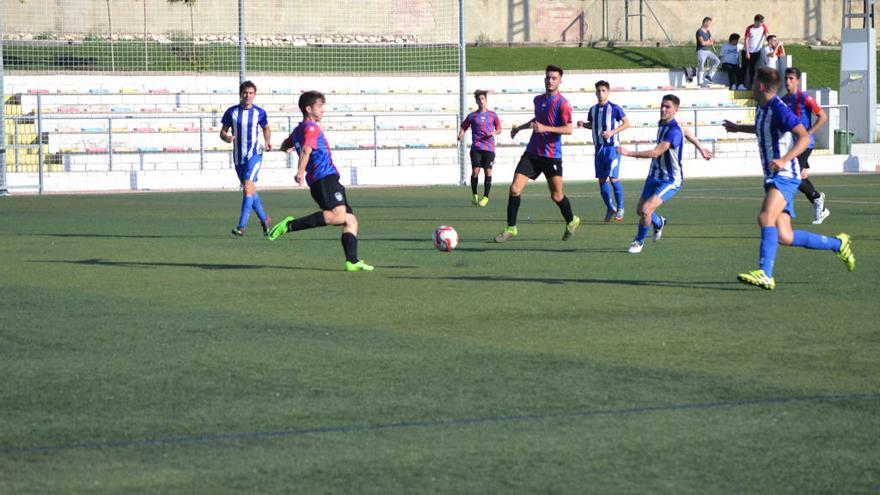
{"points": [[667, 167], [773, 125], [605, 118], [246, 125]]}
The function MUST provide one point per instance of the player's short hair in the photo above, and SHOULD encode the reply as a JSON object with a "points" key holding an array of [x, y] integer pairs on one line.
{"points": [[308, 99], [247, 84], [768, 77], [603, 83], [674, 99], [795, 71], [733, 38], [553, 68], [706, 19], [770, 37], [480, 92], [759, 18]]}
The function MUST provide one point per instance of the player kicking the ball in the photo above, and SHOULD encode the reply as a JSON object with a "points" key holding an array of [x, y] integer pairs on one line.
{"points": [[543, 154], [782, 137], [316, 168]]}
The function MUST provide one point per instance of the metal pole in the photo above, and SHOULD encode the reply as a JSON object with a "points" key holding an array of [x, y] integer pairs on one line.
{"points": [[3, 189], [289, 130], [40, 141], [201, 143], [110, 143], [241, 58], [641, 20], [462, 84], [626, 20], [375, 143]]}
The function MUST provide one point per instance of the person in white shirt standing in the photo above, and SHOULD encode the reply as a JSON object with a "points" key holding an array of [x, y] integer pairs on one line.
{"points": [[754, 38], [705, 43]]}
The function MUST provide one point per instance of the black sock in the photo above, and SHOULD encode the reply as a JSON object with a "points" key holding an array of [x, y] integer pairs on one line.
{"points": [[350, 246], [474, 181], [512, 210], [809, 191], [487, 185], [565, 208], [309, 222]]}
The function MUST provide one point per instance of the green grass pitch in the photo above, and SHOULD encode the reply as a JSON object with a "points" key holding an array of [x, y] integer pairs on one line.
{"points": [[143, 349]]}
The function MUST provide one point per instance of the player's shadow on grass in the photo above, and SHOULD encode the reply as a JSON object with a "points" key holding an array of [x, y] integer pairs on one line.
{"points": [[111, 236], [725, 286], [534, 250], [201, 266], [635, 57]]}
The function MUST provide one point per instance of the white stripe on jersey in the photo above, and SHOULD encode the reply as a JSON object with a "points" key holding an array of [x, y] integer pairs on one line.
{"points": [[668, 165], [247, 135]]}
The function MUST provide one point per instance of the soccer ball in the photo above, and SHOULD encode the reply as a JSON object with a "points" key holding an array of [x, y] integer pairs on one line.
{"points": [[445, 238]]}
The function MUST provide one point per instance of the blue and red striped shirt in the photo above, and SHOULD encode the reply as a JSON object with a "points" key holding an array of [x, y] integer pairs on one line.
{"points": [[483, 125], [554, 111], [320, 165]]}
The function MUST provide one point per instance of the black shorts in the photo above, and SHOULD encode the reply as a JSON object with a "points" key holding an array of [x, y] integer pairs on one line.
{"points": [[482, 158], [329, 193], [804, 157], [533, 165]]}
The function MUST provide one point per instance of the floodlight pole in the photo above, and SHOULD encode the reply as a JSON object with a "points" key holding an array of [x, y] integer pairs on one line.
{"points": [[3, 189], [462, 83], [241, 57]]}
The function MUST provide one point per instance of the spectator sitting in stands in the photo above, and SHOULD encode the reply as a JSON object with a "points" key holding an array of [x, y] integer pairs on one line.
{"points": [[730, 62]]}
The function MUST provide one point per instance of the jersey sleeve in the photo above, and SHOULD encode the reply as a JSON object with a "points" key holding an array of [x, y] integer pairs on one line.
{"points": [[811, 104], [674, 137], [466, 123], [263, 119], [565, 112], [310, 136], [226, 121], [497, 122], [787, 119], [618, 113]]}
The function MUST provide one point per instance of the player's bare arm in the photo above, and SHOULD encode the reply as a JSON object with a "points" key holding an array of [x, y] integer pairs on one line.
{"points": [[706, 153], [267, 137], [561, 129], [623, 125], [658, 150], [301, 166], [225, 136], [585, 125], [518, 128], [734, 127], [822, 119]]}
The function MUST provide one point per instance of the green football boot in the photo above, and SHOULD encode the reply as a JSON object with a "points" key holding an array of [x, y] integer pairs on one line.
{"points": [[360, 266], [280, 228], [757, 278], [845, 252]]}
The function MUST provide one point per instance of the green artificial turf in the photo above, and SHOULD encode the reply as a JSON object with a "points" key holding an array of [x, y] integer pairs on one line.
{"points": [[144, 349]]}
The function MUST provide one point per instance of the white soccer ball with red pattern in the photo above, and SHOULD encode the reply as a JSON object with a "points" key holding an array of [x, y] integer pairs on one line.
{"points": [[445, 238]]}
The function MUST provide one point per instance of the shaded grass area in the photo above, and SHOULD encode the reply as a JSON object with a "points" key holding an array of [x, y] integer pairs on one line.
{"points": [[145, 349]]}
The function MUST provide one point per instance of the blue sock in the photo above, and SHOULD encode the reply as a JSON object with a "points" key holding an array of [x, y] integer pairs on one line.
{"points": [[642, 232], [809, 240], [258, 208], [618, 194], [605, 191], [246, 204], [769, 244], [656, 221]]}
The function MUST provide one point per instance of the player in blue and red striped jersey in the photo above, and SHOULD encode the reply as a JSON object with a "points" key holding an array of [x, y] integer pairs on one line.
{"points": [[606, 120], [776, 127], [316, 168], [484, 125], [543, 154], [245, 121], [804, 107]]}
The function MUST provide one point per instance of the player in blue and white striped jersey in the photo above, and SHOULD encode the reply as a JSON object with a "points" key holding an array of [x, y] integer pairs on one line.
{"points": [[245, 121], [665, 175], [781, 138], [607, 120]]}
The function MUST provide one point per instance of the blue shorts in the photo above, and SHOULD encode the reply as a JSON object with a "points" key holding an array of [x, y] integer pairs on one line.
{"points": [[666, 189], [607, 162], [249, 170], [788, 188]]}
